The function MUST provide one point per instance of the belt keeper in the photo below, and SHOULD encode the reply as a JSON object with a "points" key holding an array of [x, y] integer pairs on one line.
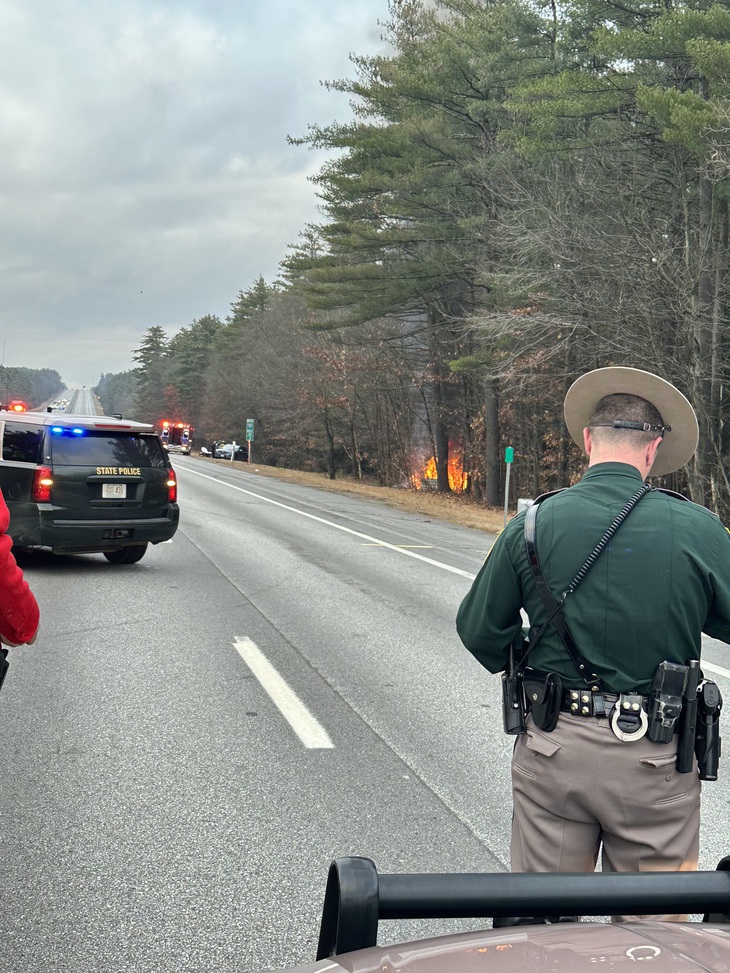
{"points": [[599, 705]]}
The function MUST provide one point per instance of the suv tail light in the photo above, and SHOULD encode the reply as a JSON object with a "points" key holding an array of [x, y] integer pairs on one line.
{"points": [[171, 486], [42, 484]]}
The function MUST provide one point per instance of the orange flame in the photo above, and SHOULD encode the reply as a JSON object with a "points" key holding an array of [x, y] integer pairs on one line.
{"points": [[458, 479]]}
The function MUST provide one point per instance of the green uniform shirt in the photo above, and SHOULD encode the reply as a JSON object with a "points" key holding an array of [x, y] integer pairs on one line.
{"points": [[663, 580]]}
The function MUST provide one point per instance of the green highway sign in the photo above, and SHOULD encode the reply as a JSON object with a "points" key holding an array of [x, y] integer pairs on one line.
{"points": [[509, 454], [249, 430]]}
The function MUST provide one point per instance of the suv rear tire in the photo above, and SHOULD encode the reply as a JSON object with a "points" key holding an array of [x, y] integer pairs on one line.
{"points": [[126, 555]]}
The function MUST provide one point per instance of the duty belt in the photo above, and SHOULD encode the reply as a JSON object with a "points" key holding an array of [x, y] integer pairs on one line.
{"points": [[583, 702]]}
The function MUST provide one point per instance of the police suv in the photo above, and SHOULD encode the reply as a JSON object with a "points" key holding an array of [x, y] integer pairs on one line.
{"points": [[84, 484]]}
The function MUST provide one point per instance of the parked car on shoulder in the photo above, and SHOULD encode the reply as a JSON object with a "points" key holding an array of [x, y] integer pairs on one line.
{"points": [[224, 451], [86, 484]]}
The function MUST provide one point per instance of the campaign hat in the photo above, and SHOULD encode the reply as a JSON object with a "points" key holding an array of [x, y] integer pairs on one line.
{"points": [[680, 440]]}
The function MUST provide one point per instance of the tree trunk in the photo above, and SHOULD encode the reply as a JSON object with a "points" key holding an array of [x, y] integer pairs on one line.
{"points": [[718, 321], [331, 474], [491, 441], [442, 442], [440, 370], [565, 438], [703, 365]]}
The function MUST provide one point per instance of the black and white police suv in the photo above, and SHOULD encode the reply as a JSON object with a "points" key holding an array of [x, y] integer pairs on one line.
{"points": [[84, 484]]}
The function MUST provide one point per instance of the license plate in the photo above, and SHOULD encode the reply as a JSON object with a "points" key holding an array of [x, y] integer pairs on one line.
{"points": [[113, 491]]}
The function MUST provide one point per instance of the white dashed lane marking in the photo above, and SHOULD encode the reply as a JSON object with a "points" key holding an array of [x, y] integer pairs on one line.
{"points": [[312, 734]]}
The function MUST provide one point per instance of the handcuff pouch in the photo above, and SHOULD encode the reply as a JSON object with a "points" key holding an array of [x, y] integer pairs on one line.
{"points": [[543, 695]]}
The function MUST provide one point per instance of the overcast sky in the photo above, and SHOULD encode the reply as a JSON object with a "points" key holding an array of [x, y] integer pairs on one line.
{"points": [[146, 178]]}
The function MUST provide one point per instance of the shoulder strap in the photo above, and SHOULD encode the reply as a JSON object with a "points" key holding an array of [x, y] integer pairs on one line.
{"points": [[546, 496], [553, 607]]}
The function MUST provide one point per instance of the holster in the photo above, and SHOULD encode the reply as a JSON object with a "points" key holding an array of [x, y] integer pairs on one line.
{"points": [[543, 696], [513, 703]]}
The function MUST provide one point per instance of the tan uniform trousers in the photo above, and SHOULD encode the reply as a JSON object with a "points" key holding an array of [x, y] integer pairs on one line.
{"points": [[579, 791]]}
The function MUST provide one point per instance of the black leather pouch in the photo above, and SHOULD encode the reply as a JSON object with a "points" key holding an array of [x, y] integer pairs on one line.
{"points": [[543, 695]]}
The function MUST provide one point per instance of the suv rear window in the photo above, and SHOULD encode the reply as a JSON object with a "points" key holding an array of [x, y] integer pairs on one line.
{"points": [[22, 442], [95, 448]]}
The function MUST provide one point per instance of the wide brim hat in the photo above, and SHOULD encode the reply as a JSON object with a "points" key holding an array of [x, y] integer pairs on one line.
{"points": [[678, 445]]}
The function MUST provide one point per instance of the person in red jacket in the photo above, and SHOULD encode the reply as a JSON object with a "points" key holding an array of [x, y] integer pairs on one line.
{"points": [[19, 613]]}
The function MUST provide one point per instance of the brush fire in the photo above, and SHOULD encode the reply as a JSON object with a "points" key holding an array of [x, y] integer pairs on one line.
{"points": [[426, 480]]}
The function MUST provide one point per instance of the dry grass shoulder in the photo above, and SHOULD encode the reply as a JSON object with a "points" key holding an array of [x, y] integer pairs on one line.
{"points": [[453, 509]]}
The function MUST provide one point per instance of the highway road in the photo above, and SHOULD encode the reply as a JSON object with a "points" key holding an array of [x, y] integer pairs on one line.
{"points": [[82, 402], [194, 738]]}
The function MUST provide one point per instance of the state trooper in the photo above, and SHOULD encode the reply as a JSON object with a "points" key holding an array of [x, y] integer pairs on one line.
{"points": [[614, 639]]}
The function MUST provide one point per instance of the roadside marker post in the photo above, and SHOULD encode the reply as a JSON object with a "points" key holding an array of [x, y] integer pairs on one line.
{"points": [[509, 455]]}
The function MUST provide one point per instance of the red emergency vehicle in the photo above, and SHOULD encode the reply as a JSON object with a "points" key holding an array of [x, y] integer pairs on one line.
{"points": [[177, 437]]}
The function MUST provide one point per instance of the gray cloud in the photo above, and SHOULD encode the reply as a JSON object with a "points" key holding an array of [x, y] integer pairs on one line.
{"points": [[146, 177]]}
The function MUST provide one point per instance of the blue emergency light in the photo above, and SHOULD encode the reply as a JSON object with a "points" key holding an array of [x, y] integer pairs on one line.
{"points": [[65, 431]]}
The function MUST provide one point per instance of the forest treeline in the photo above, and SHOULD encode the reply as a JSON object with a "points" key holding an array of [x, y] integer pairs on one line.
{"points": [[526, 191], [33, 386]]}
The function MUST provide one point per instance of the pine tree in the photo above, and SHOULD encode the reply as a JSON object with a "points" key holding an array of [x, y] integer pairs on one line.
{"points": [[639, 244], [152, 370], [190, 352]]}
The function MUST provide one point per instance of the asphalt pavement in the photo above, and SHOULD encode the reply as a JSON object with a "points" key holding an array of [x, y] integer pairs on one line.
{"points": [[194, 738]]}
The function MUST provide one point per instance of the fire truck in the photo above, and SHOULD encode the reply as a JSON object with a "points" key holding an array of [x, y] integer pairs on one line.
{"points": [[177, 437]]}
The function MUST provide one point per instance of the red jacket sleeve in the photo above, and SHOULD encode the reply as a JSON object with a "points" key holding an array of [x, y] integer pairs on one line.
{"points": [[19, 614]]}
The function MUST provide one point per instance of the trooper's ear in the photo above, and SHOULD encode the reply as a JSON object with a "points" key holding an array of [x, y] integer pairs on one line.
{"points": [[651, 451], [587, 440]]}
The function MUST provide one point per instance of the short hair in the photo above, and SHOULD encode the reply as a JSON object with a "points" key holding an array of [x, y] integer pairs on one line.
{"points": [[626, 408]]}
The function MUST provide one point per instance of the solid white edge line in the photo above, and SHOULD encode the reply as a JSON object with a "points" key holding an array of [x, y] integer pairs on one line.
{"points": [[312, 734], [329, 523]]}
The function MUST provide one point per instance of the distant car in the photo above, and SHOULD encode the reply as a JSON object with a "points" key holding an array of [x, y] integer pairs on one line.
{"points": [[224, 452], [357, 897], [86, 484]]}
